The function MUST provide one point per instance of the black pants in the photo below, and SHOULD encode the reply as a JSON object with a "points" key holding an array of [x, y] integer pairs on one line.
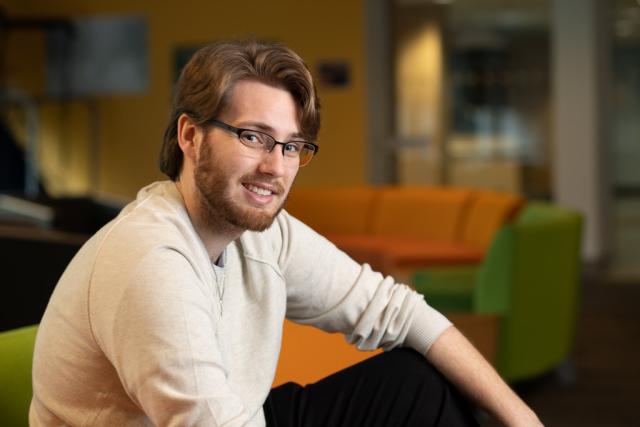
{"points": [[398, 388]]}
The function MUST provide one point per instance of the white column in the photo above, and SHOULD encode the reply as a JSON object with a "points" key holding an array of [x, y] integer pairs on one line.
{"points": [[581, 45]]}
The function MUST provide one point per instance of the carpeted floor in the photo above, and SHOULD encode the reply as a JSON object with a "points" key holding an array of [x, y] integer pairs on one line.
{"points": [[606, 363]]}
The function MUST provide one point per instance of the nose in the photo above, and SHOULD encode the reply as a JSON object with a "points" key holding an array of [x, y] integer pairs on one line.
{"points": [[272, 162]]}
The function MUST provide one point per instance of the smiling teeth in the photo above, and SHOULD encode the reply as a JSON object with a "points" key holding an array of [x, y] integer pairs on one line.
{"points": [[258, 190]]}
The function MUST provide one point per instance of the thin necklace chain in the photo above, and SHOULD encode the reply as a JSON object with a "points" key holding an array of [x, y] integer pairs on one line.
{"points": [[219, 285]]}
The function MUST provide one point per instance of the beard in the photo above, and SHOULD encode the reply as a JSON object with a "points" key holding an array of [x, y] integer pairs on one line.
{"points": [[219, 211]]}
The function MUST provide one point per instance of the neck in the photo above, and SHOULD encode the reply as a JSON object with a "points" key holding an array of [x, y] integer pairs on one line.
{"points": [[214, 235]]}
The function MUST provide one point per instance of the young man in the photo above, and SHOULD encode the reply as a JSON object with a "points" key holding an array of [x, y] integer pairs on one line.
{"points": [[172, 313]]}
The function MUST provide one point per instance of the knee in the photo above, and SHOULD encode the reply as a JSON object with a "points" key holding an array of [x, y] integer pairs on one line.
{"points": [[410, 362], [424, 385]]}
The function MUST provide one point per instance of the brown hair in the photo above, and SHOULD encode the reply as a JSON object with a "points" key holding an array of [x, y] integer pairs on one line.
{"points": [[207, 79]]}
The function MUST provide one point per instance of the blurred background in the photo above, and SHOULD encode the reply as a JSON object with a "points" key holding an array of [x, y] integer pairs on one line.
{"points": [[539, 98]]}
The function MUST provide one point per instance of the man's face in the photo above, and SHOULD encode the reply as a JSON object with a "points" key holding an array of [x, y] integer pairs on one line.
{"points": [[239, 187]]}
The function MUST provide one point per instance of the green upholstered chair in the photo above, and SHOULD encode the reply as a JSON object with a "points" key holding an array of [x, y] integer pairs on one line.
{"points": [[529, 278], [16, 355]]}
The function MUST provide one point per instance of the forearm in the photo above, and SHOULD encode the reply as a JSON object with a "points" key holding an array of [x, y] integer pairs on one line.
{"points": [[457, 359]]}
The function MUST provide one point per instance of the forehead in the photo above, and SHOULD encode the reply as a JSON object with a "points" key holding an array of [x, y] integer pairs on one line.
{"points": [[253, 101]]}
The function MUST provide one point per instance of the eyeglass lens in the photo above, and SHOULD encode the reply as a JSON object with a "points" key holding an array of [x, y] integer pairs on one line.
{"points": [[292, 150]]}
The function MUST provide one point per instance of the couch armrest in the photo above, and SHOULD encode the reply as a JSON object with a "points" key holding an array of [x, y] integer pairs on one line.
{"points": [[447, 289]]}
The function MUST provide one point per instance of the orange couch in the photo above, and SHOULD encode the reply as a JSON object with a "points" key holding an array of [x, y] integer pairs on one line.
{"points": [[403, 228], [392, 228], [309, 354]]}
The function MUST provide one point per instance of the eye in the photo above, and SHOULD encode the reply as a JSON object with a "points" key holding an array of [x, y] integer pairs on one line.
{"points": [[292, 148], [252, 138]]}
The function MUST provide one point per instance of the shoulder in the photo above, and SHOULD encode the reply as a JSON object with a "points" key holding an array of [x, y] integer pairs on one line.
{"points": [[153, 227], [273, 239], [286, 237]]}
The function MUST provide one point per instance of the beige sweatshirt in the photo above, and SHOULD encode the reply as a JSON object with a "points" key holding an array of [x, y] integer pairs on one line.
{"points": [[134, 335]]}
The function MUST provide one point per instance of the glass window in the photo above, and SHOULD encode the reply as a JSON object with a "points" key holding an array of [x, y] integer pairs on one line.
{"points": [[473, 94], [625, 150]]}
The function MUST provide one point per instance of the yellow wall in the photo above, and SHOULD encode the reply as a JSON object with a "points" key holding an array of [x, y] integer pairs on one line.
{"points": [[132, 125]]}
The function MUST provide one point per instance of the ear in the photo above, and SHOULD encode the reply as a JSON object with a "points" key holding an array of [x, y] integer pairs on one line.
{"points": [[189, 137]]}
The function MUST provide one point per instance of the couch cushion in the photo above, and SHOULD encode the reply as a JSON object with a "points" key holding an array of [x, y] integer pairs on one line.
{"points": [[423, 212], [309, 354], [389, 253], [488, 211], [333, 210]]}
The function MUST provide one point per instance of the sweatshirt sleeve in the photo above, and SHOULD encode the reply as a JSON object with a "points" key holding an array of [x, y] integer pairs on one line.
{"points": [[158, 329], [329, 290]]}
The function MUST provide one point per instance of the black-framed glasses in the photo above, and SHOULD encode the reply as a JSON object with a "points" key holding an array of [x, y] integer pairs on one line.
{"points": [[301, 151]]}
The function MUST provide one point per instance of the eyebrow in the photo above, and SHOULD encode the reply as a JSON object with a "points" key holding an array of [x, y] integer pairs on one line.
{"points": [[266, 128]]}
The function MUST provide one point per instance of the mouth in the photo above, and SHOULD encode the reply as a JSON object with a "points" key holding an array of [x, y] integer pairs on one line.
{"points": [[261, 189]]}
